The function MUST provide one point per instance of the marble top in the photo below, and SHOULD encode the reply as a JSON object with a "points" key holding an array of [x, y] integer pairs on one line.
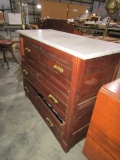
{"points": [[79, 46]]}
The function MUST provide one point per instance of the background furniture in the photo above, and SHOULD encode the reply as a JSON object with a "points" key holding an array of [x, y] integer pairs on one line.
{"points": [[6, 45], [103, 137], [60, 25], [62, 76], [113, 31], [10, 29]]}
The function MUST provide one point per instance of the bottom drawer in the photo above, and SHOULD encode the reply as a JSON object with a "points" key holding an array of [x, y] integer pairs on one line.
{"points": [[49, 117]]}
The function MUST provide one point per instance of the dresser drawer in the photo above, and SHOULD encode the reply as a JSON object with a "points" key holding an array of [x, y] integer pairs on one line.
{"points": [[50, 51], [29, 50], [51, 94], [49, 117], [54, 78], [56, 65]]}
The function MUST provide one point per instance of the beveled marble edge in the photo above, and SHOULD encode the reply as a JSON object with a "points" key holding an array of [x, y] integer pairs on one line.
{"points": [[79, 46]]}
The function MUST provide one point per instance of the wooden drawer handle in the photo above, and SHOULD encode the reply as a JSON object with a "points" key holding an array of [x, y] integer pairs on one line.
{"points": [[59, 69], [49, 122], [24, 70], [53, 98], [27, 49], [26, 89]]}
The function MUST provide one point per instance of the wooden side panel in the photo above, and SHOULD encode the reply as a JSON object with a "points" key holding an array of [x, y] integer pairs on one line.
{"points": [[92, 83], [103, 138], [83, 115], [79, 135], [98, 71], [99, 64], [97, 153], [108, 108], [99, 146]]}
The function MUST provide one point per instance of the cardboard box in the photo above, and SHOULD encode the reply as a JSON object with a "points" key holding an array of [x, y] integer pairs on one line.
{"points": [[12, 18], [102, 26]]}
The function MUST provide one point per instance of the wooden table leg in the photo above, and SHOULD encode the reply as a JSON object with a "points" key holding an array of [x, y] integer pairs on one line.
{"points": [[5, 58], [11, 50]]}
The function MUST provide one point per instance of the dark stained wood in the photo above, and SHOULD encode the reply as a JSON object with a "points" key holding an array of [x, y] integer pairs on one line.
{"points": [[75, 89], [53, 123], [50, 51], [84, 113], [73, 100], [91, 83], [58, 24], [21, 46], [63, 84], [41, 85]]}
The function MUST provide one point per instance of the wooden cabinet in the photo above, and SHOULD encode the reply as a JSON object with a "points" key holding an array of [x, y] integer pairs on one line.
{"points": [[63, 87], [103, 137]]}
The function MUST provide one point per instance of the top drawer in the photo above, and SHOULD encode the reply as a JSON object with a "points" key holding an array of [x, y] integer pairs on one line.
{"points": [[48, 50], [39, 58]]}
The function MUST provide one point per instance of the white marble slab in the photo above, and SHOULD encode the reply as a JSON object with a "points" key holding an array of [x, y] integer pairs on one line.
{"points": [[80, 46]]}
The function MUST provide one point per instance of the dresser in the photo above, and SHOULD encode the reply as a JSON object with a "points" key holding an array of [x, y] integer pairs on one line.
{"points": [[103, 137], [62, 74]]}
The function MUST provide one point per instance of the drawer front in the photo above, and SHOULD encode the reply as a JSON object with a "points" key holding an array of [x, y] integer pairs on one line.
{"points": [[53, 64], [51, 120], [51, 94], [29, 50], [50, 51], [50, 74]]}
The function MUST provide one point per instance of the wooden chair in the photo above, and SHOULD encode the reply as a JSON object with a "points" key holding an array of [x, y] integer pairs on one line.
{"points": [[6, 45]]}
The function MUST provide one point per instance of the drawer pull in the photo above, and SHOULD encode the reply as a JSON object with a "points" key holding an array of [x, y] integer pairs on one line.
{"points": [[26, 89], [59, 69], [27, 49], [53, 98], [26, 72], [49, 122]]}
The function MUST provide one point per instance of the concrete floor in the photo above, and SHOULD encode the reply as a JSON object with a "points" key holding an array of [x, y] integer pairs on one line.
{"points": [[23, 133]]}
